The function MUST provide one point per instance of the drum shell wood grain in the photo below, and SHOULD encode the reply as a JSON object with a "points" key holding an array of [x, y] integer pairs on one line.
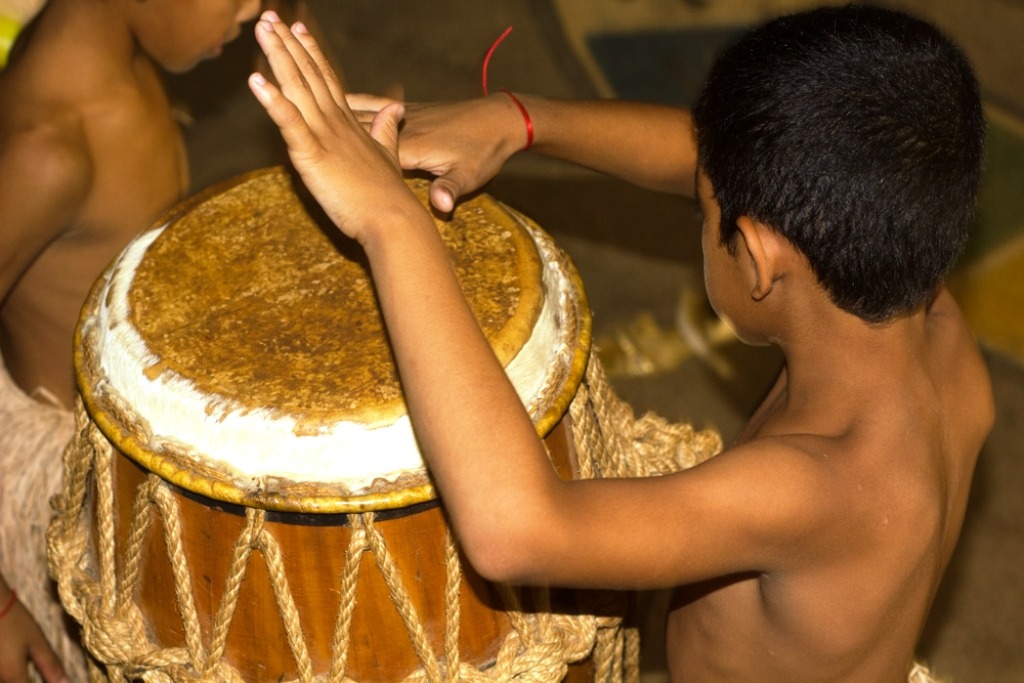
{"points": [[313, 550]]}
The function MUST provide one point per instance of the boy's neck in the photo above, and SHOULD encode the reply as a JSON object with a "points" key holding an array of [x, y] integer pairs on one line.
{"points": [[830, 354], [837, 353], [101, 24]]}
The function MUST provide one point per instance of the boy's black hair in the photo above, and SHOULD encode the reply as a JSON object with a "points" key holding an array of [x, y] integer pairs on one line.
{"points": [[858, 134]]}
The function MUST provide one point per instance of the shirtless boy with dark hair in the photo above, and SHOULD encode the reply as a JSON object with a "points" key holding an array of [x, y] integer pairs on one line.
{"points": [[835, 158], [89, 156]]}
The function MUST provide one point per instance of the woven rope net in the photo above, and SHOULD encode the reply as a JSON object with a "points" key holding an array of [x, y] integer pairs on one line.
{"points": [[610, 441]]}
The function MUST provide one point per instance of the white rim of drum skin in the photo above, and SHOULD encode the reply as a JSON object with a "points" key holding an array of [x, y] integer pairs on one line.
{"points": [[270, 465]]}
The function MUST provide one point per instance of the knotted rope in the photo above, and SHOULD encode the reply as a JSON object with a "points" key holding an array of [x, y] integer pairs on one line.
{"points": [[541, 645]]}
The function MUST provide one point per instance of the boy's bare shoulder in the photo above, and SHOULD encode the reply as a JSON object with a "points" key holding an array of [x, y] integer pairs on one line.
{"points": [[49, 151], [43, 135], [45, 177], [45, 173], [771, 504], [831, 467]]}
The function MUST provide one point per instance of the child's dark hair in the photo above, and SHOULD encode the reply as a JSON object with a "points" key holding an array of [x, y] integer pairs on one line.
{"points": [[858, 134]]}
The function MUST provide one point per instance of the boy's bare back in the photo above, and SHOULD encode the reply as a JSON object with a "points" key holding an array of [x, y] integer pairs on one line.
{"points": [[855, 450]]}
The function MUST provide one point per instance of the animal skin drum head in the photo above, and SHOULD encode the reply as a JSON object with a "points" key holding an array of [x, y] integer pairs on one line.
{"points": [[237, 349]]}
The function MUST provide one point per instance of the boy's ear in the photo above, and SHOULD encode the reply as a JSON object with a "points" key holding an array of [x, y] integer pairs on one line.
{"points": [[759, 242]]}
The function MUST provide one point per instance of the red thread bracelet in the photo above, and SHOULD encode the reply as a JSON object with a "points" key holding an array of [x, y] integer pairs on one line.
{"points": [[522, 109], [526, 119], [10, 604], [487, 57]]}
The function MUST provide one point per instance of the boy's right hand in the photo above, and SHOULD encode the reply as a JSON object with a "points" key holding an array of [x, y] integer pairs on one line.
{"points": [[464, 144], [22, 642], [352, 172]]}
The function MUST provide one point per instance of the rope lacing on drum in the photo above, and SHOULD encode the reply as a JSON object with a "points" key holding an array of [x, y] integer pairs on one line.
{"points": [[610, 441]]}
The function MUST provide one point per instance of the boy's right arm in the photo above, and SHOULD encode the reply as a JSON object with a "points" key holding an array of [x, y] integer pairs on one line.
{"points": [[466, 143]]}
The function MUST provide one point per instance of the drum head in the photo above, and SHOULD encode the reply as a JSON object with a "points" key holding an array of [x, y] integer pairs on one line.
{"points": [[238, 350]]}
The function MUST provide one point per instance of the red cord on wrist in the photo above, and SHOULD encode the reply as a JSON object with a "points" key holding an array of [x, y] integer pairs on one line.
{"points": [[10, 604], [522, 110], [526, 119], [487, 57]]}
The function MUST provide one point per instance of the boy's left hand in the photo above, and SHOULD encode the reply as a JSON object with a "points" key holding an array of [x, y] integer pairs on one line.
{"points": [[353, 173], [463, 144]]}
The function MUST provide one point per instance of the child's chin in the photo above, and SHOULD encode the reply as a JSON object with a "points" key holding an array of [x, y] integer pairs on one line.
{"points": [[186, 66]]}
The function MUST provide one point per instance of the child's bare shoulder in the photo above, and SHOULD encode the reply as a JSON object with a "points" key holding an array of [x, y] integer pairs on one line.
{"points": [[45, 175], [775, 492], [54, 146], [62, 73], [44, 109], [45, 172]]}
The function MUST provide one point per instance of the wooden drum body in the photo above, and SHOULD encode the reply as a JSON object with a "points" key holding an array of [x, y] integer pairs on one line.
{"points": [[245, 499]]}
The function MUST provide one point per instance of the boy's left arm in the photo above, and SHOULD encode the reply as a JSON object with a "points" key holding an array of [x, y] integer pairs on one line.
{"points": [[516, 520], [465, 144]]}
